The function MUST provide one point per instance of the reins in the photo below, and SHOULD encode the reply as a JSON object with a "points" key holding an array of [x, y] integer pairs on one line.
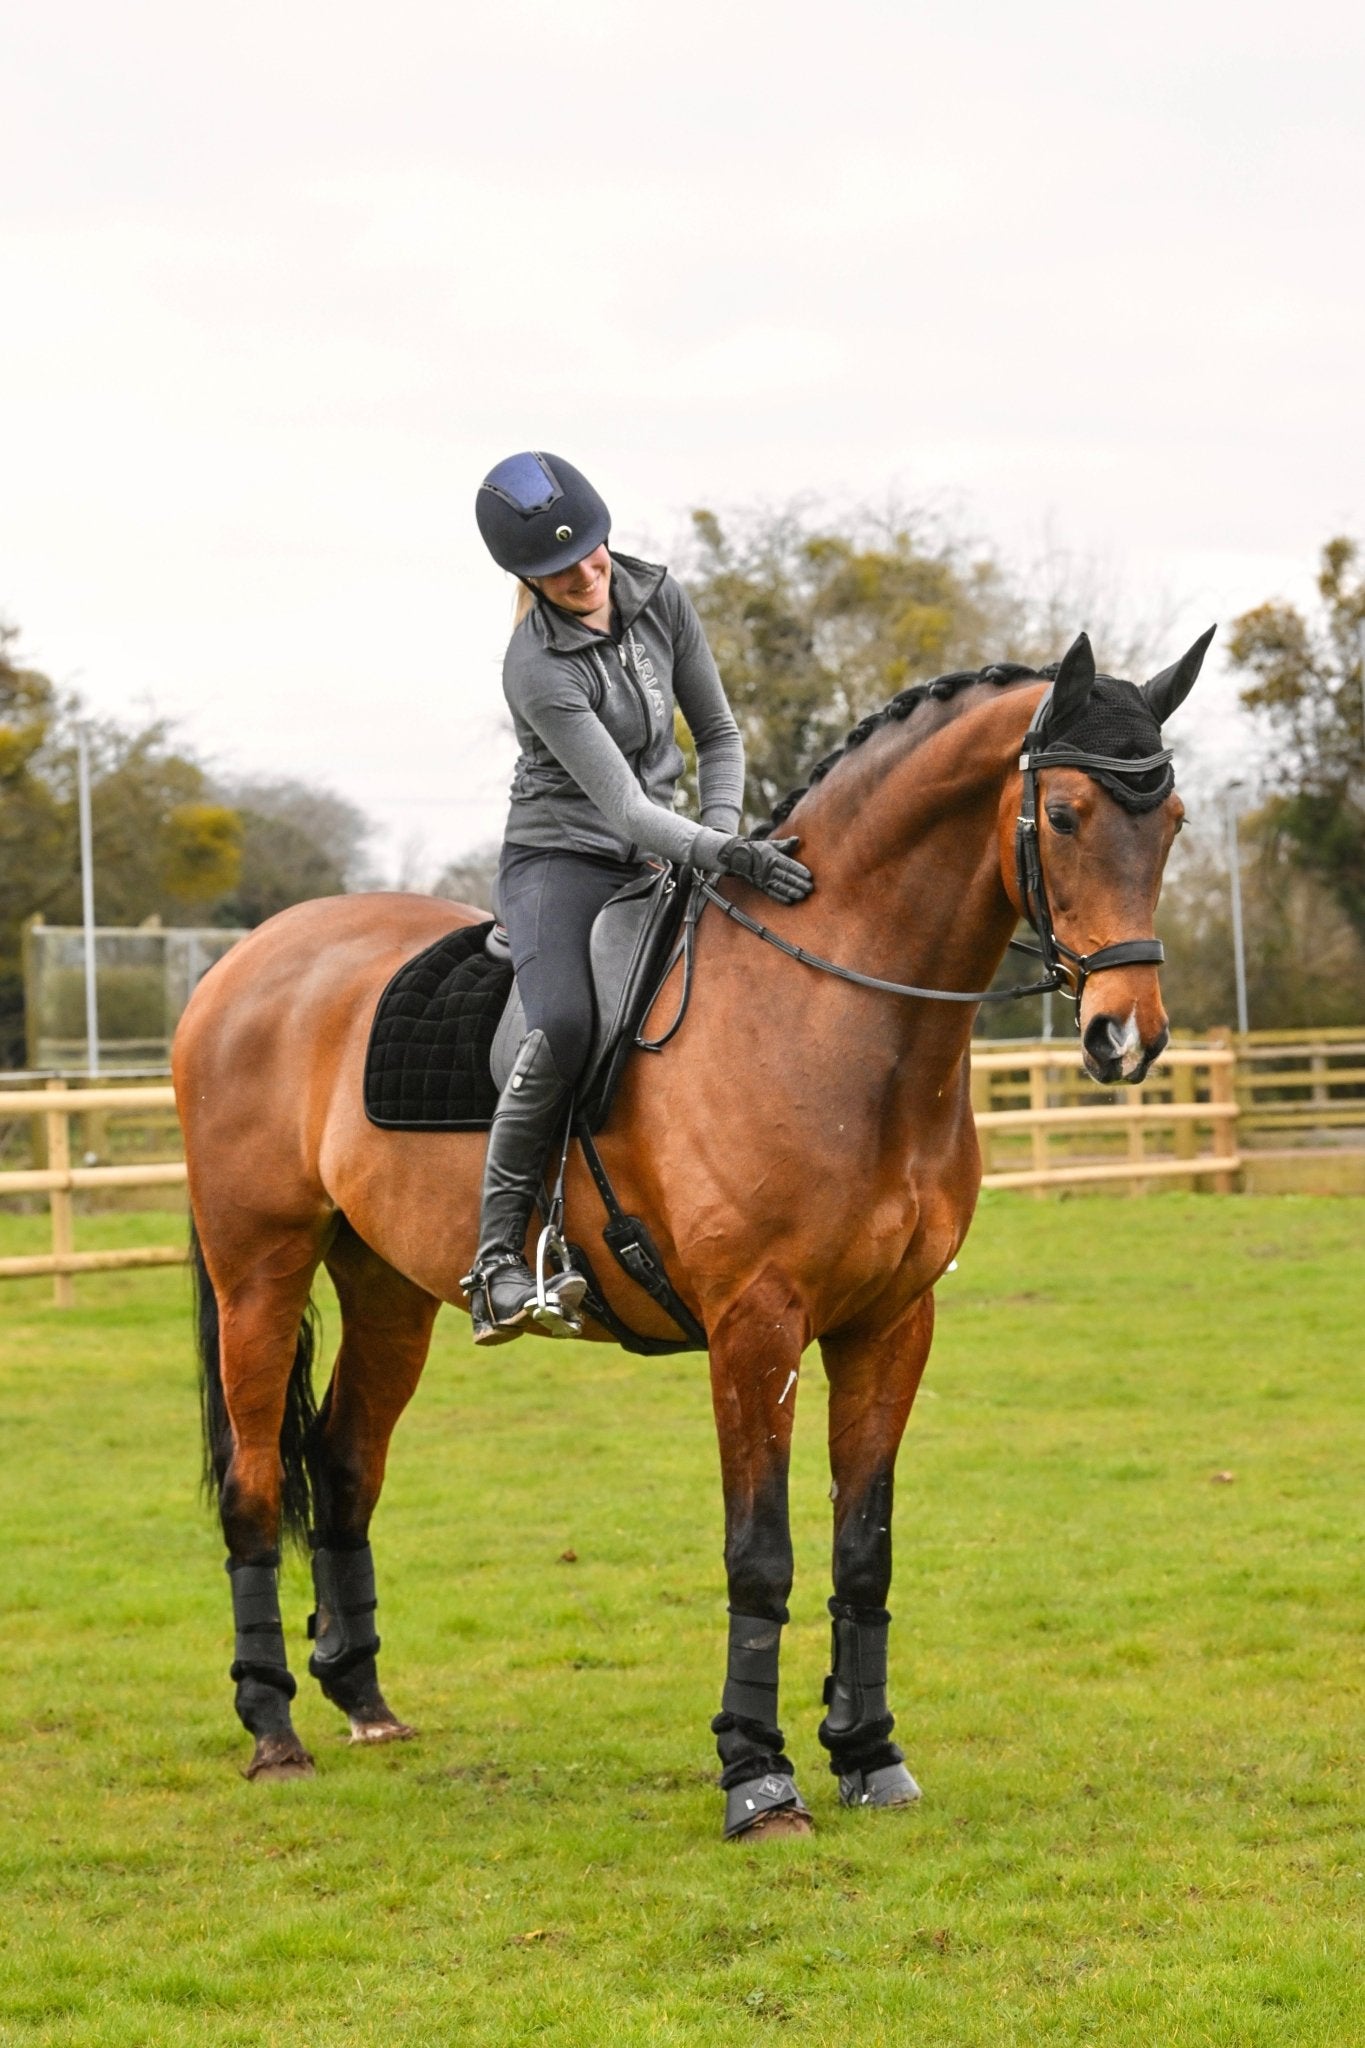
{"points": [[1064, 970], [1053, 979]]}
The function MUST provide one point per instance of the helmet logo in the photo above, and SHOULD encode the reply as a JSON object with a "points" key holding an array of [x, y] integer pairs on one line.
{"points": [[563, 533]]}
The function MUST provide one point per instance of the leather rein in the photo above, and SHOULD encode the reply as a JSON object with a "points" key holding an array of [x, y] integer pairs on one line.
{"points": [[1064, 969]]}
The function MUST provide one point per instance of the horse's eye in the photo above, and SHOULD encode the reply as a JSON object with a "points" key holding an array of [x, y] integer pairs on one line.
{"points": [[1063, 820]]}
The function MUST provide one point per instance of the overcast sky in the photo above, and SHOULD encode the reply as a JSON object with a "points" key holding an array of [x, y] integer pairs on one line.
{"points": [[281, 282]]}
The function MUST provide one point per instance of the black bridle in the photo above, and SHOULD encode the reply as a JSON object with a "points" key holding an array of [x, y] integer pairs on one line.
{"points": [[1064, 969], [1028, 865]]}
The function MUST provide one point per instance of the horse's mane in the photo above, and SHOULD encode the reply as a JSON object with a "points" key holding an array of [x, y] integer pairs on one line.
{"points": [[1000, 674]]}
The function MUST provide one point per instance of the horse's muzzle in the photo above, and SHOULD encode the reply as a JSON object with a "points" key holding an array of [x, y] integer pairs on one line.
{"points": [[1116, 1052]]}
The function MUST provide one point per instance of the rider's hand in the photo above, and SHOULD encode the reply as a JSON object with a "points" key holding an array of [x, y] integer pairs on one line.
{"points": [[768, 864]]}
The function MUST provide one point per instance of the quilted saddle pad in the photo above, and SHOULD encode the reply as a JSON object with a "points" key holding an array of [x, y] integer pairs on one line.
{"points": [[426, 1068]]}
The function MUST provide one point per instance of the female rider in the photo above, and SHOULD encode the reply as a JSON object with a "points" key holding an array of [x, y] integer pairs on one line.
{"points": [[607, 648]]}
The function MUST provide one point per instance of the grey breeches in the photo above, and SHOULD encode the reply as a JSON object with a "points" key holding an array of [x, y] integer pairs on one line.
{"points": [[548, 899]]}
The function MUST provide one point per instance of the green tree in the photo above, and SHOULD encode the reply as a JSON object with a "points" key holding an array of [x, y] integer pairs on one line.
{"points": [[1308, 690], [815, 622], [202, 851], [1305, 964], [167, 841]]}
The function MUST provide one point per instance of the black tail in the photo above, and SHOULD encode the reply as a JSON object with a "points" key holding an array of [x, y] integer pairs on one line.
{"points": [[300, 1407]]}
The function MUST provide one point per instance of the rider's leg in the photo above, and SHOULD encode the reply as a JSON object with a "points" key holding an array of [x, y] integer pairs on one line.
{"points": [[548, 900]]}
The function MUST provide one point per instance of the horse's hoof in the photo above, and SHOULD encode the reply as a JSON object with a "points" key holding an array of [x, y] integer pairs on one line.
{"points": [[369, 1732], [783, 1820], [279, 1757], [759, 1804], [892, 1785]]}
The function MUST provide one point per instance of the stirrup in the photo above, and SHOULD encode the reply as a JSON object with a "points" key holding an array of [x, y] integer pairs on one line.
{"points": [[559, 1294], [550, 1302]]}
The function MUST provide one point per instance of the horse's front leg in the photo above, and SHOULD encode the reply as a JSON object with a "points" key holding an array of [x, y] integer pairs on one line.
{"points": [[755, 1351], [872, 1384]]}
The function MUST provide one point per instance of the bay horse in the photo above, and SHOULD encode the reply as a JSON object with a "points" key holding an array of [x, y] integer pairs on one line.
{"points": [[803, 1153]]}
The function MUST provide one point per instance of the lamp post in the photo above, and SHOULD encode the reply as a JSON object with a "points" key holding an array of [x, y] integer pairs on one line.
{"points": [[92, 1025], [1239, 958]]}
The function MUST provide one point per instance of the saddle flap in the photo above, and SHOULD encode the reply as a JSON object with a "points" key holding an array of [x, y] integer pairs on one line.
{"points": [[619, 948], [630, 937]]}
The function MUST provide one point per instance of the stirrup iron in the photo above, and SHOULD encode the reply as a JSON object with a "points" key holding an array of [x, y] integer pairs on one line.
{"points": [[554, 1313]]}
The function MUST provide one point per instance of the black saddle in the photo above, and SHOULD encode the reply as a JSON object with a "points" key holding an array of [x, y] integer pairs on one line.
{"points": [[450, 1021]]}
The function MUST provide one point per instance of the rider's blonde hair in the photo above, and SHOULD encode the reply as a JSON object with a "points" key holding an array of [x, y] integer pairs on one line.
{"points": [[526, 597]]}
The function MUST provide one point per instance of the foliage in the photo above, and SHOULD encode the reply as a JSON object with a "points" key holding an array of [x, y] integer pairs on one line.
{"points": [[815, 622], [202, 851], [1132, 1694], [472, 878], [1308, 689], [168, 842], [1305, 963], [288, 821]]}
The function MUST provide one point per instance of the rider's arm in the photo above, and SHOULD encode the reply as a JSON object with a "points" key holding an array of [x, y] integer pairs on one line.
{"points": [[700, 696], [559, 710]]}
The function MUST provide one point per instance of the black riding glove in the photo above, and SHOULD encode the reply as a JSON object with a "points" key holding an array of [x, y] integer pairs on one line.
{"points": [[768, 864]]}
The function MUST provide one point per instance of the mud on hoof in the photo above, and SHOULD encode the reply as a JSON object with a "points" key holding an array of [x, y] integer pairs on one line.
{"points": [[385, 1727], [278, 1757], [892, 1785], [770, 1805], [787, 1820]]}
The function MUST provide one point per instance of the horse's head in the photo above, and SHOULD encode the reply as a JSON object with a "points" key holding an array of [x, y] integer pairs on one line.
{"points": [[1086, 830]]}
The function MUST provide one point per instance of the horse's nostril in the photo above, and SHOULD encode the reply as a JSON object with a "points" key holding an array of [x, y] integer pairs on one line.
{"points": [[1102, 1037]]}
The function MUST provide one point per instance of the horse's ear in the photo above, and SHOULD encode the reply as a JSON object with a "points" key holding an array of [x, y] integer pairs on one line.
{"points": [[1168, 691], [1075, 680]]}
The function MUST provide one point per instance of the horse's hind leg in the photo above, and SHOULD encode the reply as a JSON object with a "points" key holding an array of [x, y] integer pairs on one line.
{"points": [[872, 1385], [386, 1325], [256, 1347]]}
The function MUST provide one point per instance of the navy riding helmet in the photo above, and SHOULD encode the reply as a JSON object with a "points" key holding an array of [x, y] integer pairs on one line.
{"points": [[538, 514]]}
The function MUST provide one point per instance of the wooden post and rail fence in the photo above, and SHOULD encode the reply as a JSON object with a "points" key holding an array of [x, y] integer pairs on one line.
{"points": [[1206, 1111]]}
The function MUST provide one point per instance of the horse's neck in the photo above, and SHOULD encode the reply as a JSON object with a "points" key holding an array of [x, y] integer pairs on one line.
{"points": [[904, 843]]}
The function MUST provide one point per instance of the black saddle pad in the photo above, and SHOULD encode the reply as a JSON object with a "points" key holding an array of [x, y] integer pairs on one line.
{"points": [[427, 1068]]}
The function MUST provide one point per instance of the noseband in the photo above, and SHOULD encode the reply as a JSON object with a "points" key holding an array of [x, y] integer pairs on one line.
{"points": [[1064, 969]]}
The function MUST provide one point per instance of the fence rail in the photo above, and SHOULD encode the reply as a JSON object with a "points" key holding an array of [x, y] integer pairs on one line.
{"points": [[1297, 1089], [1041, 1128], [1205, 1112], [51, 1108]]}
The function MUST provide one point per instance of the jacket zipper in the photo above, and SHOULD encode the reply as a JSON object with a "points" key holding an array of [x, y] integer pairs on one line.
{"points": [[636, 688]]}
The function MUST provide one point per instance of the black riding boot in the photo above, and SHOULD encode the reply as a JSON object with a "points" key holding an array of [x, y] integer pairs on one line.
{"points": [[501, 1286]]}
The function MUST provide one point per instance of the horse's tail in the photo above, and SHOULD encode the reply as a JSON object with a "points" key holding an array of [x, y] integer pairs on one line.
{"points": [[300, 1405]]}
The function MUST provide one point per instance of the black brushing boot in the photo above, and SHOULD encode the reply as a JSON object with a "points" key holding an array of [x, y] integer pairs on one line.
{"points": [[500, 1285]]}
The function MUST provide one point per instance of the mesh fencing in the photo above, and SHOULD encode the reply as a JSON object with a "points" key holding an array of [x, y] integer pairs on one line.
{"points": [[143, 980]]}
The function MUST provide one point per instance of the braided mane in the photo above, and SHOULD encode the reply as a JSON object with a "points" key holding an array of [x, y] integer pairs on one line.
{"points": [[1000, 674]]}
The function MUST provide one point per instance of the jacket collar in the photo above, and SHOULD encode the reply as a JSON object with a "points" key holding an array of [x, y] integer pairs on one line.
{"points": [[633, 584]]}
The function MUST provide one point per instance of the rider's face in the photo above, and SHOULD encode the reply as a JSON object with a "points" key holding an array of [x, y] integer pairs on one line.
{"points": [[582, 589]]}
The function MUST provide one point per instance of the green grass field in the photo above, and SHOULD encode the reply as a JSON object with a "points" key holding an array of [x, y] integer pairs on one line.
{"points": [[1132, 1690]]}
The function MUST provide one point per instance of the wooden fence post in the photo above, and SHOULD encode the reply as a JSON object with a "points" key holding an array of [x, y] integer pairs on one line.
{"points": [[1136, 1147], [1223, 1090], [1186, 1135], [982, 1082], [59, 1199], [1037, 1097]]}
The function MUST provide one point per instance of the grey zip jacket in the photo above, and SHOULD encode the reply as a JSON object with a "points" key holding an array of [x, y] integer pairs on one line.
{"points": [[593, 714]]}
